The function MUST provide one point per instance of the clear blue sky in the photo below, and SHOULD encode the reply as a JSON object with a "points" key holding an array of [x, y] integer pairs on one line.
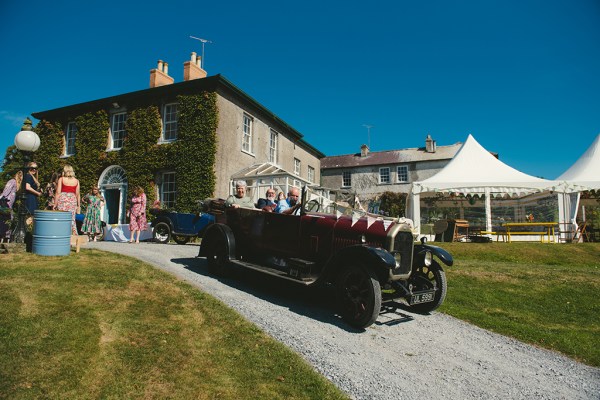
{"points": [[523, 77]]}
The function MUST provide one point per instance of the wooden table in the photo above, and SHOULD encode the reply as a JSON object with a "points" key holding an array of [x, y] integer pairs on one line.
{"points": [[548, 233]]}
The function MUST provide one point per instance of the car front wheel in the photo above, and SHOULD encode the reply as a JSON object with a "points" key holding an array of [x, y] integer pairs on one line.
{"points": [[161, 233], [359, 296], [427, 278], [217, 256]]}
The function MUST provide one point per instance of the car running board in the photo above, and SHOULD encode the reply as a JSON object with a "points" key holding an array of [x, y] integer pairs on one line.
{"points": [[274, 272]]}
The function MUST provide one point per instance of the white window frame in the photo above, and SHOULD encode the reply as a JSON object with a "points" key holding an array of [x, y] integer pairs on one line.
{"points": [[273, 144], [297, 167], [346, 178], [383, 172], [247, 133], [402, 174], [170, 122], [70, 135], [311, 174], [117, 130], [168, 189]]}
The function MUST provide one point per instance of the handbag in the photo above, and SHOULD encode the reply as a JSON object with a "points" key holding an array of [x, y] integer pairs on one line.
{"points": [[4, 202]]}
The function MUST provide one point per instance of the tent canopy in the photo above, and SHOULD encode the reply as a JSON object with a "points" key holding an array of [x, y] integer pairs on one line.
{"points": [[474, 170], [585, 173]]}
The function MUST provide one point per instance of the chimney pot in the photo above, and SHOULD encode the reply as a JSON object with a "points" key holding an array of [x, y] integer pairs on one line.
{"points": [[429, 144], [193, 57], [364, 150]]}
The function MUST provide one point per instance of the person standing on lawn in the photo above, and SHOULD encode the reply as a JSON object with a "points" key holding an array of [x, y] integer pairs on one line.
{"points": [[137, 214], [68, 197], [92, 223]]}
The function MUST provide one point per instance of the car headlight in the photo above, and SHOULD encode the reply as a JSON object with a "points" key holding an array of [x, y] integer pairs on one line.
{"points": [[428, 258], [398, 258]]}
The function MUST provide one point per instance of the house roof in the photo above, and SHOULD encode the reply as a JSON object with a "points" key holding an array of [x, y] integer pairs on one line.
{"points": [[390, 157], [211, 83]]}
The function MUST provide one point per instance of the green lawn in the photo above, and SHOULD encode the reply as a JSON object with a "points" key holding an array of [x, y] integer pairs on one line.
{"points": [[101, 325], [544, 294]]}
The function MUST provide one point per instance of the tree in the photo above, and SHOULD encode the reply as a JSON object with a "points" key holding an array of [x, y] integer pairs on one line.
{"points": [[393, 204]]}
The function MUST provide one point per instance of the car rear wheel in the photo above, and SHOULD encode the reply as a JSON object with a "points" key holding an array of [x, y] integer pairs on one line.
{"points": [[181, 239], [359, 296], [427, 278], [217, 256], [161, 233]]}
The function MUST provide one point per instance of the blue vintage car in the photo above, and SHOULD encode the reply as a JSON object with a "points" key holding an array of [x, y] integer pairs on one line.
{"points": [[180, 226]]}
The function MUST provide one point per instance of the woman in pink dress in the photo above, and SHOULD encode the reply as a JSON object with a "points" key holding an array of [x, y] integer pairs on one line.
{"points": [[67, 195], [137, 214]]}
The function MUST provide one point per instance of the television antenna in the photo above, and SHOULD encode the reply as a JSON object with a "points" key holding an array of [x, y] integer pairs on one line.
{"points": [[368, 134], [204, 41]]}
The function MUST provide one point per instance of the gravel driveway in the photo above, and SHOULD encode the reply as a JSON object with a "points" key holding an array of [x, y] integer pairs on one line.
{"points": [[405, 356]]}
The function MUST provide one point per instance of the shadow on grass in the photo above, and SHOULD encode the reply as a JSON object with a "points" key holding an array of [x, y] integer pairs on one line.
{"points": [[317, 303]]}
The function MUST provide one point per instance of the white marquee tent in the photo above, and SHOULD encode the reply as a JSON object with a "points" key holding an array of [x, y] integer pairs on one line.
{"points": [[581, 176], [474, 170]]}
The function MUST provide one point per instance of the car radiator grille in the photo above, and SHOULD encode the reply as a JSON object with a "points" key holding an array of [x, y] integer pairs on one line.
{"points": [[403, 243]]}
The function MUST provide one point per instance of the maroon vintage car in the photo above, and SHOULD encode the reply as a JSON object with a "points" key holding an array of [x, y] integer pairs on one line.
{"points": [[369, 261]]}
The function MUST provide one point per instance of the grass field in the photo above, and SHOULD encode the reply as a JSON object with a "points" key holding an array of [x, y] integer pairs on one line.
{"points": [[101, 325], [544, 294]]}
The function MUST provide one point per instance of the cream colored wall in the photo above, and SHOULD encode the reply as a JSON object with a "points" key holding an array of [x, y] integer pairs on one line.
{"points": [[365, 180], [230, 158]]}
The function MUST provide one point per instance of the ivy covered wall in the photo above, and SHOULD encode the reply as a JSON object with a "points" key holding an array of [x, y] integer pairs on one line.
{"points": [[191, 156]]}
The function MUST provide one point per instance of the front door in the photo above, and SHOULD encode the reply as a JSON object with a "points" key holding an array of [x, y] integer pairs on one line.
{"points": [[112, 198]]}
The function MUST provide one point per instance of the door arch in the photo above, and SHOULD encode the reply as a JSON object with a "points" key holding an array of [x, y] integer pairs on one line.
{"points": [[113, 186]]}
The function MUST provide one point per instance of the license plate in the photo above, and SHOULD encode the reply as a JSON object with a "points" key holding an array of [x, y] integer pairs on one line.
{"points": [[422, 297]]}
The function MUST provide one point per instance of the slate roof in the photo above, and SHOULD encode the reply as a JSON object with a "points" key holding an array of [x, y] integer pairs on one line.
{"points": [[390, 157]]}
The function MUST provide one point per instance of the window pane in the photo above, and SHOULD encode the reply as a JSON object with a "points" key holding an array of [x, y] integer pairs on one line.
{"points": [[346, 179], [273, 147], [311, 174], [296, 166], [247, 134], [384, 175], [170, 118], [168, 190], [118, 130], [403, 173], [70, 139]]}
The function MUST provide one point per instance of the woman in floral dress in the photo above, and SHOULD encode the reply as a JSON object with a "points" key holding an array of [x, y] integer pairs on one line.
{"points": [[137, 214], [67, 195], [92, 224]]}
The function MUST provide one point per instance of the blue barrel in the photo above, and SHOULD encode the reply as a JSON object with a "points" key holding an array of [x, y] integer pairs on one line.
{"points": [[52, 233]]}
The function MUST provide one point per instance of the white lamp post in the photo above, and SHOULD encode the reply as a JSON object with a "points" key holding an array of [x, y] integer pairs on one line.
{"points": [[27, 141]]}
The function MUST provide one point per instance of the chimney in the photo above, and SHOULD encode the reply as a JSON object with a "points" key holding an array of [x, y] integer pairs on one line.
{"points": [[192, 69], [364, 150], [160, 75], [429, 145]]}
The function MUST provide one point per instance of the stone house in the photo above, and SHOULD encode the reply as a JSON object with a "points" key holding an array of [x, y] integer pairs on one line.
{"points": [[252, 143], [369, 174]]}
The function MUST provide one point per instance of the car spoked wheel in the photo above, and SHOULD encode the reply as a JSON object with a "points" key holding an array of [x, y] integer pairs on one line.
{"points": [[161, 233], [218, 256], [359, 296], [427, 278]]}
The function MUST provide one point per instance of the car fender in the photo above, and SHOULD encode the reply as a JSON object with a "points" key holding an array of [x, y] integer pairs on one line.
{"points": [[379, 260], [213, 232], [440, 253]]}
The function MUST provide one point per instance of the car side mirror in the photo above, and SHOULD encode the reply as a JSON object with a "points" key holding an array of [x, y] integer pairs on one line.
{"points": [[424, 240]]}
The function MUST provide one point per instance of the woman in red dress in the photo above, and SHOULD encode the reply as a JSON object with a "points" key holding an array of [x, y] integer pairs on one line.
{"points": [[137, 214], [67, 195]]}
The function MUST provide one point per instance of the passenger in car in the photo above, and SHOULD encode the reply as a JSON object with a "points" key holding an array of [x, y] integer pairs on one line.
{"points": [[240, 199], [268, 203], [289, 205]]}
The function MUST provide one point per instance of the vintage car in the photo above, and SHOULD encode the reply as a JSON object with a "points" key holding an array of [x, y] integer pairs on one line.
{"points": [[179, 226], [370, 261]]}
